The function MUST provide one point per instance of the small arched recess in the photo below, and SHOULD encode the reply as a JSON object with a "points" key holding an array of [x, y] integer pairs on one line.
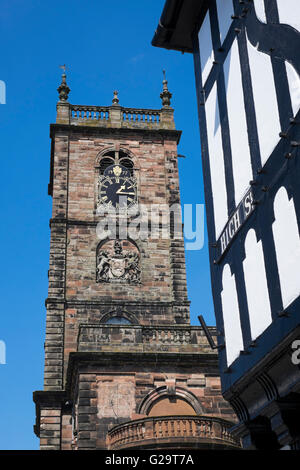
{"points": [[163, 402], [119, 317]]}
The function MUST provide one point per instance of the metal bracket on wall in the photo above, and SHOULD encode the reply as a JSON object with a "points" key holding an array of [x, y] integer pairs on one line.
{"points": [[208, 334]]}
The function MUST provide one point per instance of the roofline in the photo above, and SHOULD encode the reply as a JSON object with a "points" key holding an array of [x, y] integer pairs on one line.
{"points": [[177, 23]]}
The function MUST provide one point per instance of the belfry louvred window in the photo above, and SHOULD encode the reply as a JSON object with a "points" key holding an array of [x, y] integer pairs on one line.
{"points": [[116, 157]]}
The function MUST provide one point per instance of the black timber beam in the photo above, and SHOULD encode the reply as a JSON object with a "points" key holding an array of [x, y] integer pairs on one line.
{"points": [[177, 23]]}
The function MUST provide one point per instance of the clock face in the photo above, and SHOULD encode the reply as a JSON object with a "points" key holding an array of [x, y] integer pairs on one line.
{"points": [[117, 188]]}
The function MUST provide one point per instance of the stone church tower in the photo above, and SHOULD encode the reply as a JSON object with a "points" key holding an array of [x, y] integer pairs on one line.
{"points": [[123, 366]]}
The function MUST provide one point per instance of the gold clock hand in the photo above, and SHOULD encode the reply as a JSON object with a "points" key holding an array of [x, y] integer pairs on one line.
{"points": [[120, 189], [129, 194]]}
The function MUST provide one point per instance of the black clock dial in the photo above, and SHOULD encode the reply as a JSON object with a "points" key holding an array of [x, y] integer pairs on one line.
{"points": [[117, 187]]}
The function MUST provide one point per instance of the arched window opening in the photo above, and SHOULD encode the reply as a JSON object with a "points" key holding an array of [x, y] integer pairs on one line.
{"points": [[127, 163], [105, 163], [118, 320], [116, 157]]}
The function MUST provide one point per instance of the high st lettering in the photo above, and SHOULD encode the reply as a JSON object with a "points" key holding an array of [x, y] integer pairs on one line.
{"points": [[248, 206], [231, 229], [236, 221], [223, 242]]}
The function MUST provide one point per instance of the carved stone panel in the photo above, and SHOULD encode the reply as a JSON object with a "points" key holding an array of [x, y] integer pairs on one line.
{"points": [[118, 261]]}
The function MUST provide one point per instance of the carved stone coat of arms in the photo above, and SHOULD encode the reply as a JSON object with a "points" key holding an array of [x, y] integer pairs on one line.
{"points": [[118, 265]]}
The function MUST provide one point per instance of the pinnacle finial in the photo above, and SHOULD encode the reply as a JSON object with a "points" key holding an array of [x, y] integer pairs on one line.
{"points": [[63, 89], [165, 94], [115, 98]]}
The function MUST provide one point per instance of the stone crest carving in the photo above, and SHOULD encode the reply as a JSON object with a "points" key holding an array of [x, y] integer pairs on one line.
{"points": [[116, 264]]}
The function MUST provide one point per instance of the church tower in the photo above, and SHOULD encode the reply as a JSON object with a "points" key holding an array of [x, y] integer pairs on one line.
{"points": [[123, 366]]}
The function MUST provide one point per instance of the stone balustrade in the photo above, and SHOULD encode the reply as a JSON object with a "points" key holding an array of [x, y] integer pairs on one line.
{"points": [[163, 430], [167, 335], [142, 338], [141, 117], [116, 116], [89, 113]]}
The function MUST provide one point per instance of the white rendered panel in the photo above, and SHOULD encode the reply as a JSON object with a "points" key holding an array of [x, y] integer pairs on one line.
{"points": [[256, 286], [289, 12], [294, 86], [287, 246], [241, 160], [225, 10], [206, 48], [216, 160], [231, 316], [260, 10], [265, 101]]}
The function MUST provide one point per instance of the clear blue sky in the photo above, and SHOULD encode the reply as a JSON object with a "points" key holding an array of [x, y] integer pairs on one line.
{"points": [[106, 46]]}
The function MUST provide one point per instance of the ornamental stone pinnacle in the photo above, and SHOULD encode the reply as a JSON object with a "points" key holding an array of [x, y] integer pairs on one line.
{"points": [[63, 89], [165, 94], [115, 100]]}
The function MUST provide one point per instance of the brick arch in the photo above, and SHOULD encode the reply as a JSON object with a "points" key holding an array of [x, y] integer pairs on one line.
{"points": [[163, 393]]}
